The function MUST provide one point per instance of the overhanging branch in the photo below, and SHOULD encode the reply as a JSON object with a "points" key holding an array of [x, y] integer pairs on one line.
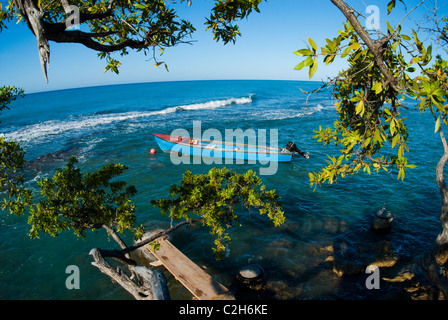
{"points": [[374, 46], [123, 254], [86, 39]]}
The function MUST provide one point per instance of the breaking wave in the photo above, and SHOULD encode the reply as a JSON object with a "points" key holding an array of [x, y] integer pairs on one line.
{"points": [[308, 111], [57, 127], [217, 103]]}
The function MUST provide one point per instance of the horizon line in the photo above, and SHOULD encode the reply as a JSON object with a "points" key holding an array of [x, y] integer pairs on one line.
{"points": [[163, 81]]}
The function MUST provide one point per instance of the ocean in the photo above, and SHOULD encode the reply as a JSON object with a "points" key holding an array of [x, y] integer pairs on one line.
{"points": [[106, 124]]}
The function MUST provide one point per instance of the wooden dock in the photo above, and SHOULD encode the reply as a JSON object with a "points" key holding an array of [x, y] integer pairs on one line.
{"points": [[192, 277]]}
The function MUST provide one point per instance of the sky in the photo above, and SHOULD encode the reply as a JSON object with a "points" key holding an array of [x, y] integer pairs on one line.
{"points": [[264, 51]]}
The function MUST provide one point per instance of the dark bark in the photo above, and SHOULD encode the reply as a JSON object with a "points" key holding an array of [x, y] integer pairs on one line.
{"points": [[376, 47], [45, 32], [86, 39]]}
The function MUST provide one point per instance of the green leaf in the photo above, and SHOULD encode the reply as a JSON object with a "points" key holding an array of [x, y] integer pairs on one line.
{"points": [[392, 127], [389, 27], [437, 125], [405, 37], [390, 6], [303, 52], [313, 68], [377, 87], [140, 6], [360, 108], [395, 140], [313, 44], [309, 61], [300, 65], [355, 46]]}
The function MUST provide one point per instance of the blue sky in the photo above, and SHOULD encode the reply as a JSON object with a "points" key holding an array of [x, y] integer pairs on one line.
{"points": [[265, 50]]}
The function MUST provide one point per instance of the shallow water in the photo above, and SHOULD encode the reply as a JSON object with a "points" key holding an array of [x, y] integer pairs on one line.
{"points": [[115, 124]]}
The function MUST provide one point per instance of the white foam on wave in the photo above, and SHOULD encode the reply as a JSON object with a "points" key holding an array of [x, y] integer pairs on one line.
{"points": [[308, 111], [217, 103], [56, 127]]}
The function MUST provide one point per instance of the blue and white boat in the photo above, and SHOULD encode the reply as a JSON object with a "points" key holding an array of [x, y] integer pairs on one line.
{"points": [[225, 150]]}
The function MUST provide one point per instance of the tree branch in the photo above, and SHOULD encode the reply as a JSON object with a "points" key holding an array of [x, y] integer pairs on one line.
{"points": [[34, 18], [374, 46], [159, 234], [85, 38], [115, 236], [123, 254]]}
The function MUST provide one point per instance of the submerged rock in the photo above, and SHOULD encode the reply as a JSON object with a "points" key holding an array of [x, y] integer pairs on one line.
{"points": [[382, 221]]}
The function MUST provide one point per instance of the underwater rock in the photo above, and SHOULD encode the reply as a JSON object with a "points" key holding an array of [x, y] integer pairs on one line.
{"points": [[343, 267], [382, 221]]}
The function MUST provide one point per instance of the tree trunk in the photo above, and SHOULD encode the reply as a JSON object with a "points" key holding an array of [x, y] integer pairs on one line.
{"points": [[442, 239], [440, 247], [152, 284], [33, 17], [153, 279]]}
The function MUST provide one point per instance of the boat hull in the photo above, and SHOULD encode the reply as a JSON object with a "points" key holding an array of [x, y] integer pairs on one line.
{"points": [[219, 150]]}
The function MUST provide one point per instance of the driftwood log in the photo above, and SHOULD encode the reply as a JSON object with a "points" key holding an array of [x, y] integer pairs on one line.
{"points": [[151, 284]]}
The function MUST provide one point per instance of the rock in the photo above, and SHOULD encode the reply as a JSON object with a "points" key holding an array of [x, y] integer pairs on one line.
{"points": [[347, 268], [401, 277], [284, 291], [327, 250], [442, 258], [385, 262], [382, 221]]}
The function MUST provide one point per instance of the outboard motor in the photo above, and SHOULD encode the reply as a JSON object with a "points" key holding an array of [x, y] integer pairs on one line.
{"points": [[291, 146]]}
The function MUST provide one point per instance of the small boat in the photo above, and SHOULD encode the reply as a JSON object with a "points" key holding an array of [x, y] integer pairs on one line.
{"points": [[225, 150]]}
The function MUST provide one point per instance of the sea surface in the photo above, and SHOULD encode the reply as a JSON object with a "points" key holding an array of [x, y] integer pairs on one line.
{"points": [[101, 125]]}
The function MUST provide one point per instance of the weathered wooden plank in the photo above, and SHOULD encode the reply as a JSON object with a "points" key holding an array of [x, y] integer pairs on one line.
{"points": [[192, 277]]}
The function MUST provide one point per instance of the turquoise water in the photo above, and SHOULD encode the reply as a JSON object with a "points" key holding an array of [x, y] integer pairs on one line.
{"points": [[115, 124]]}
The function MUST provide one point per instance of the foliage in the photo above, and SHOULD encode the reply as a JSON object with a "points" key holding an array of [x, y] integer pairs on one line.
{"points": [[11, 162], [216, 197], [383, 77], [371, 93], [12, 177], [5, 15], [72, 200], [8, 94], [224, 13], [109, 26]]}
